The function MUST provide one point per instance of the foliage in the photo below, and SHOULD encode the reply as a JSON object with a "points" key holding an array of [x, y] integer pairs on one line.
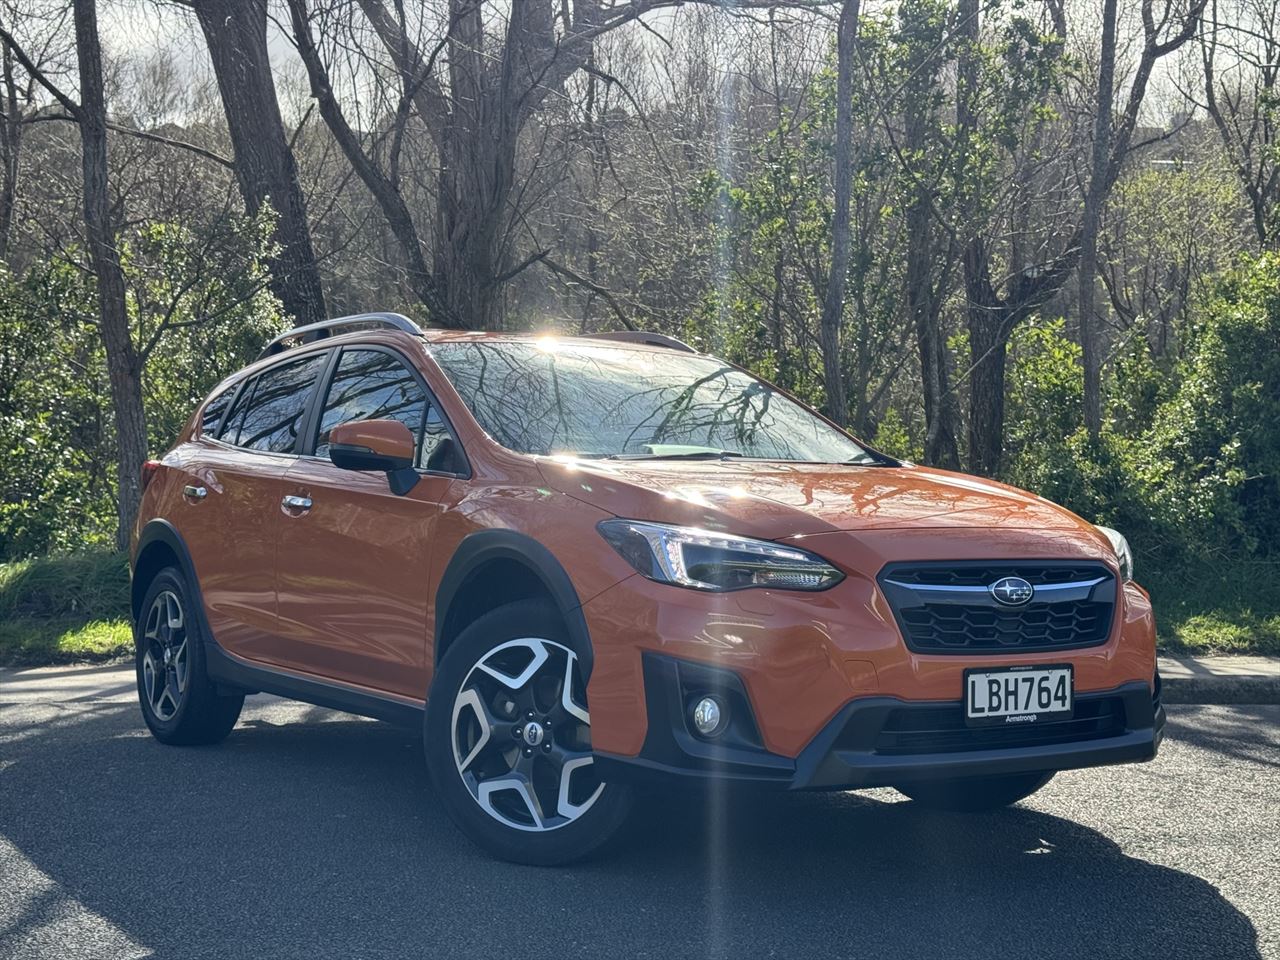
{"points": [[72, 607], [88, 585], [55, 487], [199, 309], [198, 297], [1212, 456], [1189, 466], [1218, 606]]}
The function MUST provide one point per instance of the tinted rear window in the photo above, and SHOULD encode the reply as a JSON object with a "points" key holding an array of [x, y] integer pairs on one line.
{"points": [[271, 409], [211, 417]]}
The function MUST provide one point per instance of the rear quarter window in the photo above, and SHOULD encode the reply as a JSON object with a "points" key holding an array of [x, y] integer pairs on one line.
{"points": [[214, 411], [269, 412]]}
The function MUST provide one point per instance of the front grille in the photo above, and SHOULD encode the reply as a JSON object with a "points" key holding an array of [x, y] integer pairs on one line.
{"points": [[946, 608], [942, 729], [939, 627]]}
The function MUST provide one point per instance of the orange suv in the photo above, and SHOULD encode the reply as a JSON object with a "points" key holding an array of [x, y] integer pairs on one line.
{"points": [[583, 562]]}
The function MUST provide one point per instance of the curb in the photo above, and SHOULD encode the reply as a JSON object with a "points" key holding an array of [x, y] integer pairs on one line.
{"points": [[1253, 689]]}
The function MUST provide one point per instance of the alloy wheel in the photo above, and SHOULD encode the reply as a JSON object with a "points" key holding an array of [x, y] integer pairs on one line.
{"points": [[521, 736], [165, 664]]}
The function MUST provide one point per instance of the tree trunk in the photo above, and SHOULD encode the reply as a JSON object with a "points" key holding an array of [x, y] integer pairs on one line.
{"points": [[1098, 188], [926, 316], [10, 147], [842, 176], [479, 149], [385, 189], [986, 403], [123, 364], [236, 32], [988, 353]]}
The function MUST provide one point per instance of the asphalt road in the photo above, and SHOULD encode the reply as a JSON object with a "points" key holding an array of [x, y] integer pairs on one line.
{"points": [[313, 834]]}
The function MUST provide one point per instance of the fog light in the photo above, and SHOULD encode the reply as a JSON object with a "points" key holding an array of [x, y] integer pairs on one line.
{"points": [[708, 717]]}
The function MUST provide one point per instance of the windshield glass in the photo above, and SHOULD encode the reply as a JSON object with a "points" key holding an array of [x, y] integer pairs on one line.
{"points": [[588, 400]]}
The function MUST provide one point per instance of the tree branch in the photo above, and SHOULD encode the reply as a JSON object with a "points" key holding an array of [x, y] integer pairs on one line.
{"points": [[68, 104], [146, 135]]}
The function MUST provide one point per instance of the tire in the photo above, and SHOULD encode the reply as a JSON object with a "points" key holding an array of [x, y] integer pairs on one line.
{"points": [[508, 745], [973, 795], [179, 702]]}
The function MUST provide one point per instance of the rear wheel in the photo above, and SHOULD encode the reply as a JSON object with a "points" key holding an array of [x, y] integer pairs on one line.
{"points": [[975, 794], [508, 740], [180, 704]]}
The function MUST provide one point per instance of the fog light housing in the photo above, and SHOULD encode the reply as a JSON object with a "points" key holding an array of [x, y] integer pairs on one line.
{"points": [[709, 717]]}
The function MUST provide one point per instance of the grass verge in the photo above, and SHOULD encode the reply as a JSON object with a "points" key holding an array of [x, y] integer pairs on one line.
{"points": [[64, 609], [1232, 607]]}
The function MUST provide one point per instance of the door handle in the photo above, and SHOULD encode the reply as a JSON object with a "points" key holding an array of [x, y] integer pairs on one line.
{"points": [[296, 503], [194, 492]]}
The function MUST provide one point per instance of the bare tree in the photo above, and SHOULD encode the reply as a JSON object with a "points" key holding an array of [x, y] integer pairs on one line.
{"points": [[236, 34], [1240, 49], [1161, 36], [998, 298], [124, 365]]}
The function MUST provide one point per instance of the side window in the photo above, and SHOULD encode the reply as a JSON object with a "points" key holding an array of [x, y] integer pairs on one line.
{"points": [[230, 425], [373, 385], [277, 403], [211, 416]]}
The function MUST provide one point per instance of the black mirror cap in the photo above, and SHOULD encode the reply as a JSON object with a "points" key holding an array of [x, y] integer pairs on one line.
{"points": [[350, 457], [403, 480]]}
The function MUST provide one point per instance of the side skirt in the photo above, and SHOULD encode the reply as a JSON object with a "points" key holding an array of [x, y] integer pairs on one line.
{"points": [[230, 671]]}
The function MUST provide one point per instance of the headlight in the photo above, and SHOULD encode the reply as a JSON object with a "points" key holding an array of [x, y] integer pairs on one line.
{"points": [[706, 560], [1121, 546]]}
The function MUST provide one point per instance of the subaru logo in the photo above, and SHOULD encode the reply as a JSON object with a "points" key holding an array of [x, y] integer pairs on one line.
{"points": [[1012, 591], [533, 733]]}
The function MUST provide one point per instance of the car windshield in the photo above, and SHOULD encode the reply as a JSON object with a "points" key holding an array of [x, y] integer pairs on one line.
{"points": [[594, 400]]}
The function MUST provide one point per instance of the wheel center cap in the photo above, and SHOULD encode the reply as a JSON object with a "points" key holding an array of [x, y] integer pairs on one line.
{"points": [[168, 655], [533, 733]]}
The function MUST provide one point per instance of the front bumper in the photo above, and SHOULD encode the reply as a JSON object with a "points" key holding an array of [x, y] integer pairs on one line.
{"points": [[878, 741]]}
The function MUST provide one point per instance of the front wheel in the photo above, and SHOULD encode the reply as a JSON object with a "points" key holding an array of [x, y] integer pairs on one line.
{"points": [[508, 740], [969, 795]]}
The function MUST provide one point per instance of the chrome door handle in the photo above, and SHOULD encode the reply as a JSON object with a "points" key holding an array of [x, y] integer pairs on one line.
{"points": [[297, 503], [194, 492]]}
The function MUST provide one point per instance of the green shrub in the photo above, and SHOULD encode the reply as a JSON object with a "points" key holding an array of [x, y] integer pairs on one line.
{"points": [[86, 586], [199, 309], [1212, 456], [64, 608]]}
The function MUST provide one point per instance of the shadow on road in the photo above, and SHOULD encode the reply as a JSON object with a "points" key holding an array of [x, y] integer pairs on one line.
{"points": [[323, 840]]}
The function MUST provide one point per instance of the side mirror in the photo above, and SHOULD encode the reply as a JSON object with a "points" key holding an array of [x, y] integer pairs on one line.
{"points": [[385, 445]]}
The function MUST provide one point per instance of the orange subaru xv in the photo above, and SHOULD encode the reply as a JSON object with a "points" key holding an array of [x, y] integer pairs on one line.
{"points": [[583, 562]]}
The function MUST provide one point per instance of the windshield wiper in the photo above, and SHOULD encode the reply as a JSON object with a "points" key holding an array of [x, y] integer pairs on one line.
{"points": [[686, 455]]}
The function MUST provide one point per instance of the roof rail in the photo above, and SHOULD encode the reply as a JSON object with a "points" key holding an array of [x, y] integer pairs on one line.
{"points": [[332, 328], [642, 336]]}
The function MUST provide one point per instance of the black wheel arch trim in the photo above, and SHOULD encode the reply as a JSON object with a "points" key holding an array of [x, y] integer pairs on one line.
{"points": [[163, 532], [486, 546]]}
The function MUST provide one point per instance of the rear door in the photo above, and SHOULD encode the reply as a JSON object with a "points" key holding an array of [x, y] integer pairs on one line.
{"points": [[231, 509], [352, 569]]}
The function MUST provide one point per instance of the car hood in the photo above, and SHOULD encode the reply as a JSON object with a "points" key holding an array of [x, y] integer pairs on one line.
{"points": [[774, 500]]}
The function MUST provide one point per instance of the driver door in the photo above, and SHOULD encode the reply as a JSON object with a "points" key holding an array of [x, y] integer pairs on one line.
{"points": [[352, 561]]}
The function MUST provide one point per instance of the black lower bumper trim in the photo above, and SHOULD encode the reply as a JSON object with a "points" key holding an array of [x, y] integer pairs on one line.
{"points": [[863, 745]]}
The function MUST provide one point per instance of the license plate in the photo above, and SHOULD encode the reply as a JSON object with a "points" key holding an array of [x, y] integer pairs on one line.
{"points": [[1010, 695]]}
